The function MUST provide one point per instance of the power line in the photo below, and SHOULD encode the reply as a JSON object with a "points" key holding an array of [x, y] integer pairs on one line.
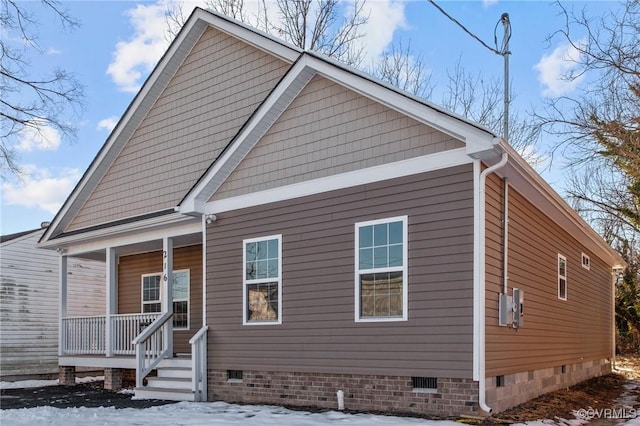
{"points": [[464, 28]]}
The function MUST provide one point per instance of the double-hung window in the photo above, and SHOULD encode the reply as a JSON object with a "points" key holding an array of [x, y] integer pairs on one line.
{"points": [[152, 296], [562, 277], [381, 270], [262, 286]]}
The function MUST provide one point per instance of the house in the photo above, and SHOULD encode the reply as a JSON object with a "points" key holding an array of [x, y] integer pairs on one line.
{"points": [[278, 227], [30, 304]]}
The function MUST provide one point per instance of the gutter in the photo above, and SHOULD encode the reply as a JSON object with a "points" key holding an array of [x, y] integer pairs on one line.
{"points": [[480, 297]]}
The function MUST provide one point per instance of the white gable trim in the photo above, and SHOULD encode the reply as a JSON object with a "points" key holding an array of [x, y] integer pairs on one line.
{"points": [[151, 90], [427, 163], [478, 141]]}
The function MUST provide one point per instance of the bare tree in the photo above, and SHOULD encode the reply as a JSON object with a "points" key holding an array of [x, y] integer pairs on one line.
{"points": [[481, 100], [598, 131], [399, 67], [318, 25], [31, 102]]}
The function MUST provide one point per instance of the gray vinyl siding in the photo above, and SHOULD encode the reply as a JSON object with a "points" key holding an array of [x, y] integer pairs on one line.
{"points": [[29, 299], [318, 332], [555, 332], [219, 85], [329, 129]]}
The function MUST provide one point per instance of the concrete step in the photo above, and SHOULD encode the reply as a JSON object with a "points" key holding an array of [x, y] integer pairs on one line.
{"points": [[175, 362], [182, 372], [166, 394], [169, 383]]}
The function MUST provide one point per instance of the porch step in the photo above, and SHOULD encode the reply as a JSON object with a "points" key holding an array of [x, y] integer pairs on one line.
{"points": [[182, 362], [172, 383], [181, 372], [169, 383], [166, 394]]}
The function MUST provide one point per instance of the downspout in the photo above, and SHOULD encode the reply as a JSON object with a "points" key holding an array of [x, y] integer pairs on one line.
{"points": [[481, 250]]}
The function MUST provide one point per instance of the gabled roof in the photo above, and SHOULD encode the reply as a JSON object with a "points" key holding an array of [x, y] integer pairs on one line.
{"points": [[480, 142], [17, 235], [151, 90]]}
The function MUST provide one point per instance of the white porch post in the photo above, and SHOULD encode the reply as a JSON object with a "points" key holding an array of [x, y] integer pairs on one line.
{"points": [[62, 335], [167, 289], [112, 299]]}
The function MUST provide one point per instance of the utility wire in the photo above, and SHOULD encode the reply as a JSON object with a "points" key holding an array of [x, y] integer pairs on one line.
{"points": [[497, 52]]}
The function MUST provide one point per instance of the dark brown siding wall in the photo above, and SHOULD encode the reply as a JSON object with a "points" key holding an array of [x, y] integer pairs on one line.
{"points": [[555, 332], [318, 332], [130, 270]]}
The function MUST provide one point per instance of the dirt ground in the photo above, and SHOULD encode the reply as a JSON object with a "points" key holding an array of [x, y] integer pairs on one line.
{"points": [[603, 392]]}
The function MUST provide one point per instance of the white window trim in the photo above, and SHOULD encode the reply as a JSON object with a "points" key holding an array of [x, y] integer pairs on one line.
{"points": [[188, 300], [582, 258], [245, 283], [566, 281], [142, 301], [405, 267]]}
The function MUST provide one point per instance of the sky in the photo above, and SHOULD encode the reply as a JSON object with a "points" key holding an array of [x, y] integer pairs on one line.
{"points": [[119, 42]]}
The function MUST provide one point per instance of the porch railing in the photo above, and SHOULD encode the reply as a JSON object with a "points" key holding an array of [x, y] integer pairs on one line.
{"points": [[87, 335], [83, 335], [125, 328], [199, 364], [151, 347]]}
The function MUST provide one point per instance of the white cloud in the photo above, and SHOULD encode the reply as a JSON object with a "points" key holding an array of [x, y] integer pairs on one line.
{"points": [[53, 51], [554, 69], [41, 137], [135, 58], [385, 17], [41, 188], [489, 3], [107, 124]]}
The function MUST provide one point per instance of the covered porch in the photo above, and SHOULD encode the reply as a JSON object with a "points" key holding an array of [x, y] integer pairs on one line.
{"points": [[153, 313]]}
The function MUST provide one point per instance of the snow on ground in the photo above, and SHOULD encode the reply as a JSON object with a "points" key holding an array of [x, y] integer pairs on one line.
{"points": [[192, 413], [40, 383]]}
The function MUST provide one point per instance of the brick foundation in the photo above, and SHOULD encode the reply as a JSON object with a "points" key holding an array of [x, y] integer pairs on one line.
{"points": [[67, 375], [521, 387], [113, 378], [392, 394]]}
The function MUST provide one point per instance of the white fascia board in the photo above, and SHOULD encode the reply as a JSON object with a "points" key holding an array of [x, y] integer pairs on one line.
{"points": [[134, 114], [266, 114], [554, 206], [253, 36], [148, 94], [427, 163], [476, 139], [130, 233]]}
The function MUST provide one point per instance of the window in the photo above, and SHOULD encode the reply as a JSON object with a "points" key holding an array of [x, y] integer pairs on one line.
{"points": [[586, 261], [262, 287], [381, 270], [152, 299], [562, 277]]}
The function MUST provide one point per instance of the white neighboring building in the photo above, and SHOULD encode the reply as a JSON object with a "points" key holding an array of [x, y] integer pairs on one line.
{"points": [[29, 302]]}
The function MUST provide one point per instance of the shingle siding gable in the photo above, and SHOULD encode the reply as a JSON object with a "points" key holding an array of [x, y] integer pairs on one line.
{"points": [[219, 85], [327, 130]]}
